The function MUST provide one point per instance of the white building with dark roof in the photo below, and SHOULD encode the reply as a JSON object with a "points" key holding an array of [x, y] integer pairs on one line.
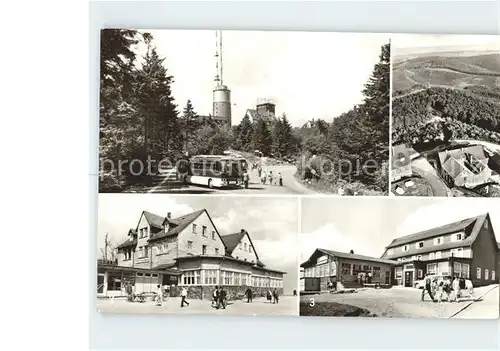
{"points": [[187, 251], [466, 248]]}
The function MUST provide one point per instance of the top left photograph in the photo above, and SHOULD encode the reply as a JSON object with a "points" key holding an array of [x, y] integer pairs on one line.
{"points": [[244, 112]]}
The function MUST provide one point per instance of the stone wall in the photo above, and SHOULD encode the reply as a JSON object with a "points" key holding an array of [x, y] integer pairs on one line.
{"points": [[233, 292]]}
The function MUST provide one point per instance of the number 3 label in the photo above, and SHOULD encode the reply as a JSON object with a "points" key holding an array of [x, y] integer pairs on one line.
{"points": [[311, 302]]}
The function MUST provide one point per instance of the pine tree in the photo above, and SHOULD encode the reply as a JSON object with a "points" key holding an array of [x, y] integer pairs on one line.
{"points": [[261, 138], [119, 121], [282, 136], [244, 133], [190, 124], [157, 106], [377, 101]]}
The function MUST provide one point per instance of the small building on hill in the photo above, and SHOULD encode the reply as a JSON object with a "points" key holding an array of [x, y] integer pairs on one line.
{"points": [[466, 167]]}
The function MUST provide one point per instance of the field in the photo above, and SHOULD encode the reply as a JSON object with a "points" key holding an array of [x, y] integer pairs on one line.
{"points": [[455, 72]]}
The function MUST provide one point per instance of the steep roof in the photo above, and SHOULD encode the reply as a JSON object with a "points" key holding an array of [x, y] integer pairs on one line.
{"points": [[153, 219], [176, 224], [231, 241], [349, 256], [132, 233], [473, 222], [127, 243]]}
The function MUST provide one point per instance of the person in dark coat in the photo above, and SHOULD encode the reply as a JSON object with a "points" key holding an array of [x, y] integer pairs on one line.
{"points": [[294, 292], [269, 296], [249, 294], [275, 296], [246, 179], [215, 297], [280, 179], [428, 288], [222, 298]]}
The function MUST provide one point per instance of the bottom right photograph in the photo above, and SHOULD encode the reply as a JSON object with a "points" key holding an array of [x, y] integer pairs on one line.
{"points": [[404, 257]]}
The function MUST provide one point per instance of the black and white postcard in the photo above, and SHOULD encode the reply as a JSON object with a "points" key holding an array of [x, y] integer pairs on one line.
{"points": [[242, 112], [196, 255], [445, 113], [383, 257]]}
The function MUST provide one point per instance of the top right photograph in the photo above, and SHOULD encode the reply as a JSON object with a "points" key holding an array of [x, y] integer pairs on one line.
{"points": [[445, 116]]}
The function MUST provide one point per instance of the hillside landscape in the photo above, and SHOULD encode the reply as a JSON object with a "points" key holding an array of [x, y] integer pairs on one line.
{"points": [[452, 95]]}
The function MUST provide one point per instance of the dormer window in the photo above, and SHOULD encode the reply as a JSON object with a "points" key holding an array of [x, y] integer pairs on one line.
{"points": [[457, 237], [406, 248], [419, 245]]}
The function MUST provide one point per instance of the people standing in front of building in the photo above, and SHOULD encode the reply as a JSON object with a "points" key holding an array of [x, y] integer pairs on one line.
{"points": [[215, 297], [159, 296], [269, 296], [249, 294], [427, 288], [222, 298], [369, 277], [280, 179], [455, 286], [270, 177], [294, 292], [263, 177], [184, 294], [246, 179], [275, 296]]}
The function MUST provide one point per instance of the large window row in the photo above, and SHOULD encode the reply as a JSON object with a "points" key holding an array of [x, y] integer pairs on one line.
{"points": [[222, 277]]}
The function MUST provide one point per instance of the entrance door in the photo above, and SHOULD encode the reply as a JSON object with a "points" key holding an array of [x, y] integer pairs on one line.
{"points": [[408, 278], [387, 278]]}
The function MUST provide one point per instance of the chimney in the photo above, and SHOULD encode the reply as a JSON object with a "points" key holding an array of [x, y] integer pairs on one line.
{"points": [[169, 215], [242, 231], [351, 252]]}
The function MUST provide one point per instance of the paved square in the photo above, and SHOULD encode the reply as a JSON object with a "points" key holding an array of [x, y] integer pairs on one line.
{"points": [[287, 306], [403, 302]]}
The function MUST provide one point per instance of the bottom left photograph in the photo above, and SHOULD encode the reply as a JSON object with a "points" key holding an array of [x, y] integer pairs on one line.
{"points": [[197, 255]]}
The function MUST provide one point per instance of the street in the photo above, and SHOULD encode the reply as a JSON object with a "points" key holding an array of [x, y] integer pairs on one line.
{"points": [[290, 185], [405, 302], [287, 306]]}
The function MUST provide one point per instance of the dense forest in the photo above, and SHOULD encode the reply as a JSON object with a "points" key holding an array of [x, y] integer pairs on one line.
{"points": [[140, 120], [353, 141], [464, 106]]}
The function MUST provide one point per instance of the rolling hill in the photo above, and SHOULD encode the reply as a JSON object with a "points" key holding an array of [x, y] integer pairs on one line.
{"points": [[456, 72]]}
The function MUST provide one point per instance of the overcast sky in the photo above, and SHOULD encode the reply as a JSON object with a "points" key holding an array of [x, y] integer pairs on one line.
{"points": [[407, 44], [308, 75], [271, 223], [368, 225]]}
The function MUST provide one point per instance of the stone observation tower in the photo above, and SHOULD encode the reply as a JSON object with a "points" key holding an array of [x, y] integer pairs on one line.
{"points": [[221, 93]]}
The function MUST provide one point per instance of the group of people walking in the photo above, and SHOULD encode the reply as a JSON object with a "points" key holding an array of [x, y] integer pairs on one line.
{"points": [[219, 298], [272, 296], [269, 178], [446, 289]]}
